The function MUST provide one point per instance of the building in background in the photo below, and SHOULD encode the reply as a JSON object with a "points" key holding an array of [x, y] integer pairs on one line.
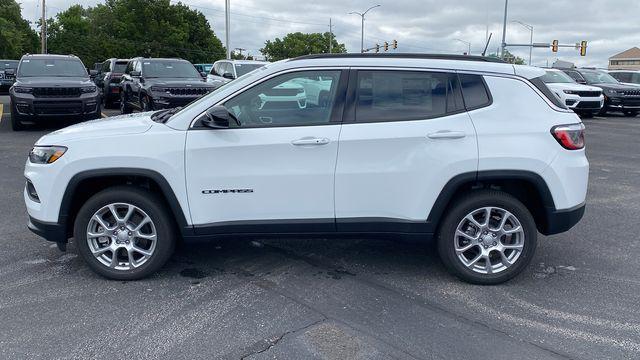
{"points": [[626, 60]]}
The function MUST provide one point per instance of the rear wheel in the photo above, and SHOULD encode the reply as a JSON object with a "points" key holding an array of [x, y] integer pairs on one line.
{"points": [[124, 233], [487, 237], [145, 103], [16, 120]]}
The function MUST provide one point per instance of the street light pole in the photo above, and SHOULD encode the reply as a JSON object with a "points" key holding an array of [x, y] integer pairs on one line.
{"points": [[530, 28], [362, 25], [504, 30], [468, 45], [227, 27]]}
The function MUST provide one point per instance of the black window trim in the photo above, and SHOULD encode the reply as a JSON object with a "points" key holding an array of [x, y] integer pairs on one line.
{"points": [[350, 108], [336, 117]]}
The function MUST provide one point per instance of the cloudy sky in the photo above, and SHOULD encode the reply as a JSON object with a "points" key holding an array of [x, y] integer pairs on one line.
{"points": [[610, 26]]}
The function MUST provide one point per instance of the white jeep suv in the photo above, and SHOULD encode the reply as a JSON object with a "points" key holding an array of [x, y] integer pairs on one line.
{"points": [[475, 153], [585, 100]]}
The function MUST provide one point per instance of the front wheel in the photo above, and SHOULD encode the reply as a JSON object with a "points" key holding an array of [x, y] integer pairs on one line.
{"points": [[487, 237], [124, 233], [125, 108], [16, 120]]}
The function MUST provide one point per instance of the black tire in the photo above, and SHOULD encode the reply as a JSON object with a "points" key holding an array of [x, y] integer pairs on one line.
{"points": [[603, 112], [125, 108], [586, 115], [95, 115], [477, 200], [631, 113], [16, 120], [145, 103], [152, 205]]}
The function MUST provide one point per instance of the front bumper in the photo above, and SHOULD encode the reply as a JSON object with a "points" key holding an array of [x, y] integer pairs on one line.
{"points": [[169, 101], [578, 103], [623, 103], [29, 106], [50, 231]]}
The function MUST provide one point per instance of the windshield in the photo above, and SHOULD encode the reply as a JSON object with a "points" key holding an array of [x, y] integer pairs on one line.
{"points": [[169, 69], [242, 69], [120, 67], [557, 77], [8, 64], [598, 77], [52, 67]]}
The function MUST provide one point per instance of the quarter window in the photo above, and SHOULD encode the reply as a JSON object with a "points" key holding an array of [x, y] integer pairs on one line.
{"points": [[294, 99], [474, 91], [406, 95]]}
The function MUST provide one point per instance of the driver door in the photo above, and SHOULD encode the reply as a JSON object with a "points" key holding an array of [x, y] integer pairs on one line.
{"points": [[274, 171]]}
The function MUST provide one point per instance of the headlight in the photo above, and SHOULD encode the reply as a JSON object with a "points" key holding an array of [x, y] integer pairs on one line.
{"points": [[46, 154], [611, 92], [23, 89], [158, 89], [569, 92], [88, 89]]}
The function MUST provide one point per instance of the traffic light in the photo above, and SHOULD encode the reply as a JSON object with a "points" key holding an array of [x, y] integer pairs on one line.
{"points": [[377, 48], [394, 44], [583, 48], [554, 46], [386, 46]]}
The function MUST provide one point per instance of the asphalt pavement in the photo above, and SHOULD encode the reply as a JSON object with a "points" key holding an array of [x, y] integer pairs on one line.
{"points": [[333, 298]]}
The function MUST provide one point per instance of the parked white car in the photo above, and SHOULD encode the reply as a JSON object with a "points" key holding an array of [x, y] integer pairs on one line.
{"points": [[585, 100], [472, 152], [224, 71]]}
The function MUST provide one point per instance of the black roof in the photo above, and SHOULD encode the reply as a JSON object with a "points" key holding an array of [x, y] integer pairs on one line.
{"points": [[401, 55]]}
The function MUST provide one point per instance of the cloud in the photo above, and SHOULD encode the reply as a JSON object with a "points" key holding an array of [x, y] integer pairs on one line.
{"points": [[610, 26]]}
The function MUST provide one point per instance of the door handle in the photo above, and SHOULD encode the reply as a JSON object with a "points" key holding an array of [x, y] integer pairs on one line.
{"points": [[310, 141], [447, 134]]}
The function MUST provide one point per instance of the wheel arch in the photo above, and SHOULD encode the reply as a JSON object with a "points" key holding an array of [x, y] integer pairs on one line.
{"points": [[85, 184], [528, 187]]}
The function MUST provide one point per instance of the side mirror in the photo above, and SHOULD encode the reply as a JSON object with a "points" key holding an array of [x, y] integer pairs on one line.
{"points": [[10, 71], [218, 117], [228, 75], [135, 73], [583, 82], [203, 74], [93, 73]]}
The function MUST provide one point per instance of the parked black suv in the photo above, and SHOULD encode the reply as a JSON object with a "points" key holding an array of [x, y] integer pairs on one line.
{"points": [[150, 84], [7, 73], [108, 79], [55, 86], [617, 96]]}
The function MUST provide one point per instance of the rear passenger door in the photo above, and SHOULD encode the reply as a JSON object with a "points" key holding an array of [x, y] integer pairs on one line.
{"points": [[406, 134]]}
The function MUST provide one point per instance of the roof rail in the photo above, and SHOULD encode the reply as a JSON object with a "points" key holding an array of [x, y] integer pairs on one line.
{"points": [[401, 55]]}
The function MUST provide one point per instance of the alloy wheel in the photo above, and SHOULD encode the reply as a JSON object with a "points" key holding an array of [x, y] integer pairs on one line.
{"points": [[489, 240], [121, 236]]}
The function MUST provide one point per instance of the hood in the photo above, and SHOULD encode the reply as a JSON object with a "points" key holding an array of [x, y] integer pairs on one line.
{"points": [[113, 126], [178, 82], [54, 81], [575, 87], [615, 86]]}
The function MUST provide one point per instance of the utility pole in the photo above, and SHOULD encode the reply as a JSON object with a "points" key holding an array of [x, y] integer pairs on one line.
{"points": [[226, 25], [330, 35], [362, 25], [43, 29], [504, 29]]}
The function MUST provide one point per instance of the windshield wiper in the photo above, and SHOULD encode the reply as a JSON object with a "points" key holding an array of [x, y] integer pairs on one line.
{"points": [[163, 115]]}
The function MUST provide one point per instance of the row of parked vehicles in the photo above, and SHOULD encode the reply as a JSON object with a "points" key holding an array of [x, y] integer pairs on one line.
{"points": [[59, 86]]}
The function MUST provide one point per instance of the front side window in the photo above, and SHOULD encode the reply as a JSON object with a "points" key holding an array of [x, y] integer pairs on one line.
{"points": [[52, 67], [106, 66], [285, 101], [405, 95]]}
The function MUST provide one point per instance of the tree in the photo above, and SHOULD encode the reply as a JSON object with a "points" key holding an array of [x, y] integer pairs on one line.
{"points": [[16, 36], [130, 28], [298, 44], [510, 58]]}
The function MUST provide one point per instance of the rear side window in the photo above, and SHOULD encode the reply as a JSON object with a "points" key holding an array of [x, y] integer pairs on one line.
{"points": [[474, 91], [406, 95], [538, 83]]}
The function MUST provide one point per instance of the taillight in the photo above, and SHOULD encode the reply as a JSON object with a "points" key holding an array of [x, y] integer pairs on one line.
{"points": [[571, 137]]}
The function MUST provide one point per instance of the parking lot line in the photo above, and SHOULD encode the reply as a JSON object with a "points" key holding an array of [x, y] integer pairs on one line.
{"points": [[103, 115], [1, 110]]}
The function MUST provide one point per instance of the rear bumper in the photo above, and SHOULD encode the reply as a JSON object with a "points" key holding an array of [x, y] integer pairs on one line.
{"points": [[559, 221], [50, 231]]}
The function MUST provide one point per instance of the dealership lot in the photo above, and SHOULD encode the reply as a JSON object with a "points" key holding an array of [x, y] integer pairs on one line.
{"points": [[338, 298]]}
